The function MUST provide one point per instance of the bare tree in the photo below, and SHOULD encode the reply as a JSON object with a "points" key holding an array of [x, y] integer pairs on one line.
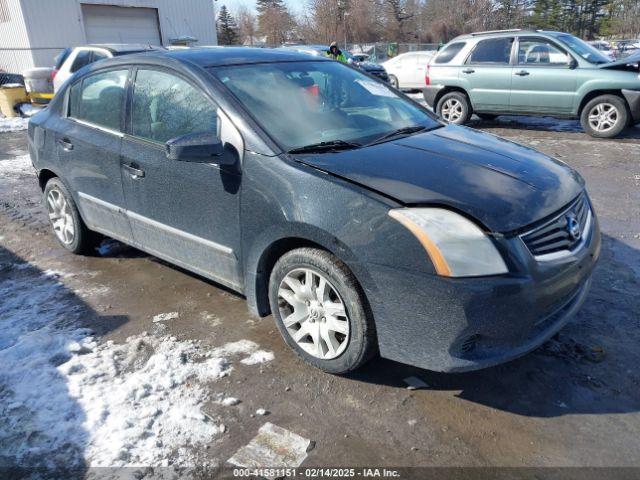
{"points": [[247, 25]]}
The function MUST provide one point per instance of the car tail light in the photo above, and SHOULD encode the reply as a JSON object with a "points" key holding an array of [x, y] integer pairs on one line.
{"points": [[53, 74], [427, 80]]}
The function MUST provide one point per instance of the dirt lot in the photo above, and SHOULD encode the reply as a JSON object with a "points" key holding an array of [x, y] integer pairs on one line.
{"points": [[573, 402]]}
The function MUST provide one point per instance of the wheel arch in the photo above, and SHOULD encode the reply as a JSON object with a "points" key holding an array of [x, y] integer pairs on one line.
{"points": [[44, 176], [596, 93], [450, 89], [261, 263]]}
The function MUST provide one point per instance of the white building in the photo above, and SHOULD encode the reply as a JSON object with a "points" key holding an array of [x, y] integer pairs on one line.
{"points": [[33, 32]]}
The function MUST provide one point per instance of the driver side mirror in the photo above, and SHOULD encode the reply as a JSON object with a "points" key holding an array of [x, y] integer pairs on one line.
{"points": [[573, 63], [197, 147]]}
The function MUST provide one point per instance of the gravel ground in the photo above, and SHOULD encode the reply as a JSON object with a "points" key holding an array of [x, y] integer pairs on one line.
{"points": [[573, 402]]}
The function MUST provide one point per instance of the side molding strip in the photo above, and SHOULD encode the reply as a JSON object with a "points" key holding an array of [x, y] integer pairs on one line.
{"points": [[161, 226]]}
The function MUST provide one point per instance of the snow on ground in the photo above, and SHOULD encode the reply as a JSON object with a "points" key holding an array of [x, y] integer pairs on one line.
{"points": [[16, 167], [13, 124], [261, 356], [68, 399]]}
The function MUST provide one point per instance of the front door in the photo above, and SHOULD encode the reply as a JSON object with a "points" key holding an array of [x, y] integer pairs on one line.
{"points": [[185, 212], [486, 75], [543, 81], [88, 143]]}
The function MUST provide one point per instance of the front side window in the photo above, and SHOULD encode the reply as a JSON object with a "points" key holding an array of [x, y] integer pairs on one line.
{"points": [[166, 106], [99, 99], [449, 52], [538, 51], [494, 51], [304, 103]]}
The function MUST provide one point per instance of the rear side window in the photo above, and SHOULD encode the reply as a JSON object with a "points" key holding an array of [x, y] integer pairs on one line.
{"points": [[166, 106], [492, 51], [82, 59], [99, 99], [449, 52], [98, 56]]}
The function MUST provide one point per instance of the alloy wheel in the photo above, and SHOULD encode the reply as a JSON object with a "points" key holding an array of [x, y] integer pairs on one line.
{"points": [[452, 110], [60, 216], [603, 117], [313, 313]]}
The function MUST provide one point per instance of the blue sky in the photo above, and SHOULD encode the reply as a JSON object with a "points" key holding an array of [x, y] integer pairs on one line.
{"points": [[294, 6]]}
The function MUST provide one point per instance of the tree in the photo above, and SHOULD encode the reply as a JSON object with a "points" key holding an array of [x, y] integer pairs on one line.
{"points": [[246, 25], [274, 21], [227, 29]]}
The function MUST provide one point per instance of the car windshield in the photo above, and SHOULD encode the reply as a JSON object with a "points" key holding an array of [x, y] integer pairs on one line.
{"points": [[582, 48], [307, 103]]}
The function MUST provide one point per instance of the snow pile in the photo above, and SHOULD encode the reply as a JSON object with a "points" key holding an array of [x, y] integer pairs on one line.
{"points": [[142, 399], [261, 356], [68, 400], [17, 166], [13, 124]]}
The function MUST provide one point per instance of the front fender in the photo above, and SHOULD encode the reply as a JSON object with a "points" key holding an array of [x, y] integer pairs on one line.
{"points": [[283, 201]]}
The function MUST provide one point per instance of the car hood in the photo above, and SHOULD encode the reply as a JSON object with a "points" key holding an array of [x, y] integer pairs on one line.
{"points": [[623, 62], [370, 66], [503, 185]]}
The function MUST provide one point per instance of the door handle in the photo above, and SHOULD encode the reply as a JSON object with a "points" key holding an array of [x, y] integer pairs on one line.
{"points": [[134, 172], [522, 73], [65, 144], [468, 70]]}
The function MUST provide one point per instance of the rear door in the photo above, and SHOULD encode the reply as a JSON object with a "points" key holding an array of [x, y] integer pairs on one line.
{"points": [[185, 212], [543, 81], [88, 142], [487, 73]]}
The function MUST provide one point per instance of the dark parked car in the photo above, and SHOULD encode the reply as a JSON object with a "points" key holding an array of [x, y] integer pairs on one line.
{"points": [[365, 65], [351, 213]]}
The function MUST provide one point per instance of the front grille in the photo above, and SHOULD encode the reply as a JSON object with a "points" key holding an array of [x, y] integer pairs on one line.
{"points": [[555, 236]]}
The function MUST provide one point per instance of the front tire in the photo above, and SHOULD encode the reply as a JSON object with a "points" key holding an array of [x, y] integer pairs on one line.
{"points": [[320, 311], [605, 116], [65, 221], [454, 108], [393, 81]]}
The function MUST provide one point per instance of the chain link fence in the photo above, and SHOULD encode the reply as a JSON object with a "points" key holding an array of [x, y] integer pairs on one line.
{"points": [[17, 60], [380, 52]]}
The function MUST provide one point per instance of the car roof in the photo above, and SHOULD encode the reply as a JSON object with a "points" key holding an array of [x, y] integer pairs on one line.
{"points": [[123, 47], [507, 33], [217, 57]]}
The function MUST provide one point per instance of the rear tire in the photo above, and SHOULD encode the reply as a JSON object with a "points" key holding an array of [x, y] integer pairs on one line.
{"points": [[66, 223], [321, 311], [393, 81], [605, 116], [454, 108]]}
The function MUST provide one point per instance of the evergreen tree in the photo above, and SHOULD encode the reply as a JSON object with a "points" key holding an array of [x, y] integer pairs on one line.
{"points": [[227, 29]]}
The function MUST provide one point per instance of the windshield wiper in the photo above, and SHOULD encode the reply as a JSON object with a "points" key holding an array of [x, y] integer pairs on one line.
{"points": [[331, 146], [400, 132]]}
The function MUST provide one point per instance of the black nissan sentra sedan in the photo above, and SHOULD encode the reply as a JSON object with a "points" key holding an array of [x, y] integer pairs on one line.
{"points": [[358, 219]]}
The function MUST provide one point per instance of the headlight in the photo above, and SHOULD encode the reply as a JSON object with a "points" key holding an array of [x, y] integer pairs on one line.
{"points": [[457, 247]]}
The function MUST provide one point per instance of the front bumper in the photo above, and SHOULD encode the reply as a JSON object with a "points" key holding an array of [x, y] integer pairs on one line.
{"points": [[455, 325], [633, 99], [430, 93]]}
